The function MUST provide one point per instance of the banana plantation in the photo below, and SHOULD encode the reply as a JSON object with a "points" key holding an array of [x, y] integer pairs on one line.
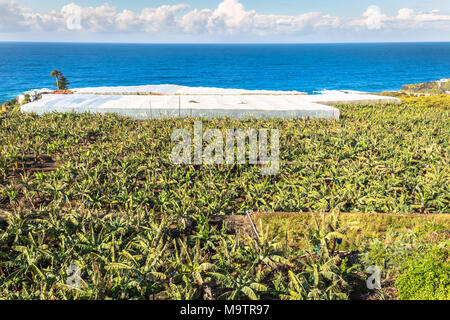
{"points": [[96, 199]]}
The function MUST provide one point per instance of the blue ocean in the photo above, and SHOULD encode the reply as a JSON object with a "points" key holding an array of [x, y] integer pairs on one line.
{"points": [[304, 67]]}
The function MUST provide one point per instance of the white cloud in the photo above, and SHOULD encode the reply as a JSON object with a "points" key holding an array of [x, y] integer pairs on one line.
{"points": [[11, 18], [229, 18], [195, 21], [163, 18], [232, 14], [374, 18], [408, 19], [127, 19], [405, 14]]}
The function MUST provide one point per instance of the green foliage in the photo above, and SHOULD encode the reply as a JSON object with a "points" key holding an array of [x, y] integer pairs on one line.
{"points": [[426, 278], [427, 87], [322, 275], [63, 83], [416, 260], [100, 192], [7, 106], [375, 159], [446, 86], [361, 229], [440, 101], [10, 103], [388, 241], [56, 74]]}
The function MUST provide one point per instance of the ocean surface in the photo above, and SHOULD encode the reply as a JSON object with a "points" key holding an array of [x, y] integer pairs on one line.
{"points": [[303, 67]]}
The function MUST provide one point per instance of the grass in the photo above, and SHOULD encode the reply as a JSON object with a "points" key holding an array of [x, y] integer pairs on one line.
{"points": [[441, 101], [100, 192], [365, 227]]}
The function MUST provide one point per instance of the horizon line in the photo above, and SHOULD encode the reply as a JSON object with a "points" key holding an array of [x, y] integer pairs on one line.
{"points": [[225, 43]]}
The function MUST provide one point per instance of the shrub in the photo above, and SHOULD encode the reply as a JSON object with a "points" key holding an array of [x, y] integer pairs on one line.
{"points": [[426, 278]]}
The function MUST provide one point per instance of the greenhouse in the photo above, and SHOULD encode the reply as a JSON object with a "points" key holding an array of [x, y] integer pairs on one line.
{"points": [[162, 101]]}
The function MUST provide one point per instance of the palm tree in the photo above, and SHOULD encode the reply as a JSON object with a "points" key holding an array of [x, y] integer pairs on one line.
{"points": [[56, 73]]}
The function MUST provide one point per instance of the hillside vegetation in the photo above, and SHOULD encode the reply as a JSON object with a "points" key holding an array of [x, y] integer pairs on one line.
{"points": [[432, 87], [441, 101], [99, 192]]}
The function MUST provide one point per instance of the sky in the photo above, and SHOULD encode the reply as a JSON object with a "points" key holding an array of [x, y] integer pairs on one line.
{"points": [[225, 21]]}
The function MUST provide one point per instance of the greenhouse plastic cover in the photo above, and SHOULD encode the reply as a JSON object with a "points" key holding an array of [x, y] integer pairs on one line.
{"points": [[176, 101], [176, 89]]}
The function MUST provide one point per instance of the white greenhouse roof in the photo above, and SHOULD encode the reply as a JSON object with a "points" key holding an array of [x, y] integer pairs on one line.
{"points": [[159, 101]]}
